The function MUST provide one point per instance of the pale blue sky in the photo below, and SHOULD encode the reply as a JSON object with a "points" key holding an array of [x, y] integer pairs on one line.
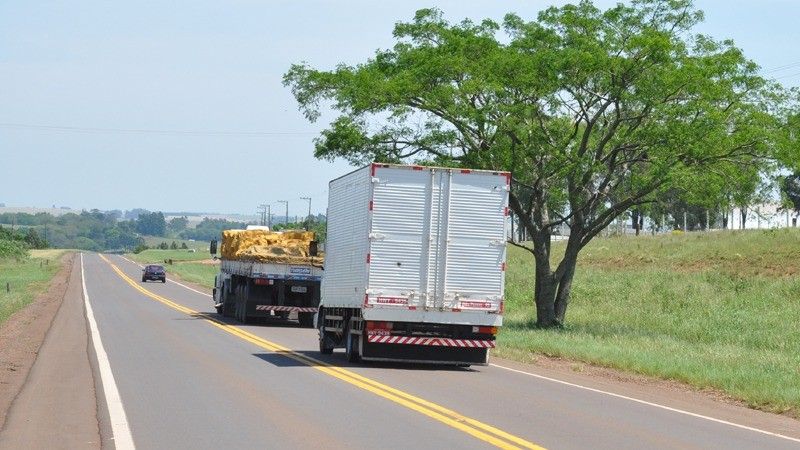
{"points": [[217, 66]]}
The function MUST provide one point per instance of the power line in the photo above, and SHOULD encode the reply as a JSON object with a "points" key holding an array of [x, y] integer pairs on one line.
{"points": [[781, 68], [788, 76], [94, 130]]}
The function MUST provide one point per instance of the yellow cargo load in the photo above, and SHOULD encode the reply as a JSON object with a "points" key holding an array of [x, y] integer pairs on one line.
{"points": [[288, 247]]}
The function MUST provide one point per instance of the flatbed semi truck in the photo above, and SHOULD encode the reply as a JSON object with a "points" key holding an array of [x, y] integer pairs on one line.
{"points": [[268, 274], [415, 264]]}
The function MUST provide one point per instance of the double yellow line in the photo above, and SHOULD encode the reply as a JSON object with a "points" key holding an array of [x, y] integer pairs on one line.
{"points": [[475, 428]]}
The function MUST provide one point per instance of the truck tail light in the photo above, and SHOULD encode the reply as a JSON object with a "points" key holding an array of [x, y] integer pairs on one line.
{"points": [[485, 330], [379, 325]]}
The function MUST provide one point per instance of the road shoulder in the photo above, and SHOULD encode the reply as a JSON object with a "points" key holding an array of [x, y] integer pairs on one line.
{"points": [[22, 335], [57, 407]]}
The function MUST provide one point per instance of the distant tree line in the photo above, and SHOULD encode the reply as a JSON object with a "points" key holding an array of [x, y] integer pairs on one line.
{"points": [[312, 224], [209, 229], [15, 243], [90, 230]]}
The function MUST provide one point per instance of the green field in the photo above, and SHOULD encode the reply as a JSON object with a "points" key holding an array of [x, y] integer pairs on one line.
{"points": [[160, 256], [200, 246], [202, 274], [716, 310], [26, 278]]}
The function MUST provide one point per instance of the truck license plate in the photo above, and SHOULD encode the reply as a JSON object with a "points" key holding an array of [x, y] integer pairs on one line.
{"points": [[299, 289]]}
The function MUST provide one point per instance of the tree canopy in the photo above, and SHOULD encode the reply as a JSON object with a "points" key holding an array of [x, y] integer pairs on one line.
{"points": [[594, 112]]}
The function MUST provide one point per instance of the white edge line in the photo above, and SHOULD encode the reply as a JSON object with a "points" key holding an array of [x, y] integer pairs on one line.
{"points": [[119, 422], [644, 402], [170, 280]]}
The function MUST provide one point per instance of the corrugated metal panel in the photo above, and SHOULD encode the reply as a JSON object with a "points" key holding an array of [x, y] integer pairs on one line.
{"points": [[399, 214], [476, 234], [439, 238], [345, 275]]}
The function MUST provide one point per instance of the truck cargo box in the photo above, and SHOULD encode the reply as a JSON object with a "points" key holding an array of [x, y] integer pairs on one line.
{"points": [[417, 244]]}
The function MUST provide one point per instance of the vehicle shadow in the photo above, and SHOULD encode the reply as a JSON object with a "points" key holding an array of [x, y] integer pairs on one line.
{"points": [[305, 358], [263, 321]]}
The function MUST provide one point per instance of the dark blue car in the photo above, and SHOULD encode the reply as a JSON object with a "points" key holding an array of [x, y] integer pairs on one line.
{"points": [[154, 272]]}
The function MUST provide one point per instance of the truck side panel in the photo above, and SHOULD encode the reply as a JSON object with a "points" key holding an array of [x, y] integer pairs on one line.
{"points": [[347, 243]]}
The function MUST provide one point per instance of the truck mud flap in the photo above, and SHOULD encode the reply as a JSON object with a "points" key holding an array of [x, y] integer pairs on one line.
{"points": [[424, 354]]}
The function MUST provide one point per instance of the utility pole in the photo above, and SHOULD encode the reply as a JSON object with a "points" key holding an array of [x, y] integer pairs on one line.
{"points": [[262, 211], [286, 202], [308, 217]]}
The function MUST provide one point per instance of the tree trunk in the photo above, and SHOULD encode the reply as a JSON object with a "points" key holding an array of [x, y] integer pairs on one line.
{"points": [[743, 214], [545, 288], [564, 288]]}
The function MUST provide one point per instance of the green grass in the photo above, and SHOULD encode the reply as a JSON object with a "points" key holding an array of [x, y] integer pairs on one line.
{"points": [[26, 278], [159, 256], [715, 310], [153, 241], [202, 274]]}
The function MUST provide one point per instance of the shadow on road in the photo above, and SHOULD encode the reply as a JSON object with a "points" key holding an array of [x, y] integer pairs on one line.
{"points": [[315, 359]]}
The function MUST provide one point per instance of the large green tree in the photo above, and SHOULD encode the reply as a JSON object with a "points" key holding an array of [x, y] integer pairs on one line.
{"points": [[593, 111]]}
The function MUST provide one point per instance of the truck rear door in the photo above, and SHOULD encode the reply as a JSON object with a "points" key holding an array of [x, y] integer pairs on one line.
{"points": [[438, 238]]}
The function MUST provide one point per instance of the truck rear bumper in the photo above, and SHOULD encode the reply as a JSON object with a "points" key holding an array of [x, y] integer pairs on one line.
{"points": [[286, 308], [425, 354], [431, 341]]}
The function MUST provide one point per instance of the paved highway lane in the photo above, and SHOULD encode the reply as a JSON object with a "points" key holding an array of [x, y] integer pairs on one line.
{"points": [[187, 378]]}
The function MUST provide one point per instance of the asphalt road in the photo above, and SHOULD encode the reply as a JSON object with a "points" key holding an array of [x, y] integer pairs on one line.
{"points": [[188, 378]]}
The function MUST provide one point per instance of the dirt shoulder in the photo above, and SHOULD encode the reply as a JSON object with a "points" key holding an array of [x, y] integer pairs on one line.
{"points": [[22, 335]]}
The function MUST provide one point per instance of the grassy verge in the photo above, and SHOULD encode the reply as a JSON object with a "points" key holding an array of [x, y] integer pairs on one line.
{"points": [[715, 310], [26, 278], [202, 274], [159, 256]]}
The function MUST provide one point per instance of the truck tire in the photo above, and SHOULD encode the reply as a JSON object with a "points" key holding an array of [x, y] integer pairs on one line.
{"points": [[351, 348], [325, 346], [306, 319]]}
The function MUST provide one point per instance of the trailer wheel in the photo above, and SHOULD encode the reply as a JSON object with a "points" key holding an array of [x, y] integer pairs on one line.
{"points": [[325, 346], [351, 348]]}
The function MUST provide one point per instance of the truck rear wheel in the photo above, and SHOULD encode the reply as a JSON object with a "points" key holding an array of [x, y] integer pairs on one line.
{"points": [[306, 319], [325, 345], [351, 348]]}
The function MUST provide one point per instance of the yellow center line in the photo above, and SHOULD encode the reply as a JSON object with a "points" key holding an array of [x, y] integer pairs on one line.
{"points": [[475, 428]]}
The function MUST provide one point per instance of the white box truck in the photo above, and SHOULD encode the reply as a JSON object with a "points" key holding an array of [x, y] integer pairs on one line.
{"points": [[415, 264]]}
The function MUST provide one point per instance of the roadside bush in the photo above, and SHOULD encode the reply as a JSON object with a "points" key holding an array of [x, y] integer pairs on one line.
{"points": [[140, 248], [12, 249]]}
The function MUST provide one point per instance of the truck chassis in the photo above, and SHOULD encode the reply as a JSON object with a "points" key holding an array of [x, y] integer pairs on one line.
{"points": [[246, 290]]}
